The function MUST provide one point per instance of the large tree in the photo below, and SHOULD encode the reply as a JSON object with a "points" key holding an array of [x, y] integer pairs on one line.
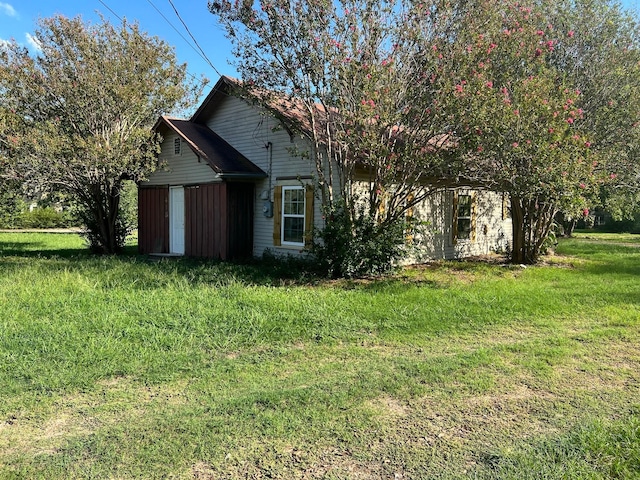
{"points": [[81, 110], [600, 55], [349, 68], [422, 95], [518, 119], [544, 99]]}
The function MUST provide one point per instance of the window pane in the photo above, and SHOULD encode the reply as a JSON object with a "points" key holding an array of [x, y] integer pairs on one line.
{"points": [[294, 202], [294, 230], [464, 205], [464, 228]]}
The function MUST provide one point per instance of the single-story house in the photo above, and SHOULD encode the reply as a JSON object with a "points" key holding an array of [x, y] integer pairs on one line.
{"points": [[229, 185]]}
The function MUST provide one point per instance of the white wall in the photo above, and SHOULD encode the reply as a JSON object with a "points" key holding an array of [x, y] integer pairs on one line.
{"points": [[249, 132], [181, 169], [493, 228]]}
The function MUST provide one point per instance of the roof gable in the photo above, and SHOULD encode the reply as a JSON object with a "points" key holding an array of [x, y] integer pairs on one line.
{"points": [[223, 88], [291, 112], [225, 160]]}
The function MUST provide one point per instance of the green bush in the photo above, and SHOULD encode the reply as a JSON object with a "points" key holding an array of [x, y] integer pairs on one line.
{"points": [[11, 203], [621, 226], [359, 247], [46, 217], [129, 204]]}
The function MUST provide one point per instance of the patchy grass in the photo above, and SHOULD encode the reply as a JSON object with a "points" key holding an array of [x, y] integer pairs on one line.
{"points": [[123, 368]]}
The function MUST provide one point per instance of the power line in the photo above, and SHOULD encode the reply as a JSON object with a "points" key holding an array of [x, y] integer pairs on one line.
{"points": [[199, 80], [204, 55], [107, 7], [200, 53]]}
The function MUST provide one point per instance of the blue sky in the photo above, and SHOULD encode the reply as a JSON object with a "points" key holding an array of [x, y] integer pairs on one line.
{"points": [[18, 19]]}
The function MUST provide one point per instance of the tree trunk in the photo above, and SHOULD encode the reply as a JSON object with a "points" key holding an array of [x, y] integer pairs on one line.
{"points": [[101, 217], [531, 220], [518, 249]]}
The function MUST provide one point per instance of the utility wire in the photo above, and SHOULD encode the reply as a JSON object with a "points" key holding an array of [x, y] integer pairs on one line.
{"points": [[107, 7], [204, 55], [200, 53], [199, 80]]}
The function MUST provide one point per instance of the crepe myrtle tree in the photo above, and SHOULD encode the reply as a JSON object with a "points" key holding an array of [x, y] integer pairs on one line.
{"points": [[599, 52], [81, 110], [349, 67], [519, 122]]}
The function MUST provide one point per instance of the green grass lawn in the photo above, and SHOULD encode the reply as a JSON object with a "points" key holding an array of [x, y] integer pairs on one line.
{"points": [[126, 368]]}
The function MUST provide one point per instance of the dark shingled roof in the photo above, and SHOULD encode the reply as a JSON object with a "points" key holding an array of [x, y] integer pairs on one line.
{"points": [[208, 145]]}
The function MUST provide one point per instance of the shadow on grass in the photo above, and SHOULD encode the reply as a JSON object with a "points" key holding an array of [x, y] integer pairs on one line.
{"points": [[607, 258], [142, 272], [43, 250], [40, 250]]}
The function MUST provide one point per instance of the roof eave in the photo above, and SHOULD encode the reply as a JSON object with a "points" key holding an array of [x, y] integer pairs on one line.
{"points": [[243, 176]]}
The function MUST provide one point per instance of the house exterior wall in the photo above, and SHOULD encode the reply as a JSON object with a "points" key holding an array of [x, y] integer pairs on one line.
{"points": [[492, 227], [206, 222], [249, 131], [226, 220], [218, 220], [240, 209], [183, 169]]}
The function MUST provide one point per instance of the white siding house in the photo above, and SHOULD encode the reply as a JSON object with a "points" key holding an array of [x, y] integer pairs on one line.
{"points": [[243, 156]]}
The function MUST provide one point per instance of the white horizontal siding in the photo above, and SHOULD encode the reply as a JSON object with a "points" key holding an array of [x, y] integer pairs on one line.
{"points": [[180, 169], [249, 131], [493, 232]]}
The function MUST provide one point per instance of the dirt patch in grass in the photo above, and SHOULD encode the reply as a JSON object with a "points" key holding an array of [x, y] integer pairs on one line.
{"points": [[30, 436], [203, 471], [81, 414], [389, 407]]}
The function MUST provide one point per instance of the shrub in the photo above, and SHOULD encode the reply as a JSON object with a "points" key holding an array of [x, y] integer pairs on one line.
{"points": [[46, 217], [11, 203], [358, 247]]}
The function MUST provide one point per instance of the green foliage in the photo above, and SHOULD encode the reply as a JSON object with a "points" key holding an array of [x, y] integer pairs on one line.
{"points": [[540, 101], [15, 213], [361, 246], [77, 115], [129, 204], [621, 226], [46, 217], [349, 71], [11, 203]]}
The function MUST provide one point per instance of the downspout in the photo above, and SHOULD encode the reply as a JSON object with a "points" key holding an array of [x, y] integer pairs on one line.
{"points": [[270, 159]]}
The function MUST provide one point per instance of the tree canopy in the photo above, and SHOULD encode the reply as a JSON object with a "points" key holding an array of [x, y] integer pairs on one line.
{"points": [[78, 114], [536, 100]]}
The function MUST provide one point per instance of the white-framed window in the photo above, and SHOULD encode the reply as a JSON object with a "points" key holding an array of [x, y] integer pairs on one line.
{"points": [[464, 217], [293, 215], [177, 146], [464, 212]]}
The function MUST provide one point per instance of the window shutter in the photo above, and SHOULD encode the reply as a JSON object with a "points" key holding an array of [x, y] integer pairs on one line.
{"points": [[277, 215], [505, 206], [308, 216], [454, 217], [409, 219], [474, 197]]}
